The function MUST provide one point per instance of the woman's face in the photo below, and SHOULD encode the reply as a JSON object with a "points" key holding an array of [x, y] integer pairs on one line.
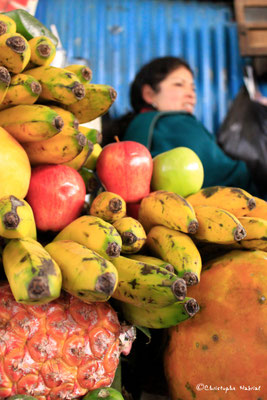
{"points": [[175, 93]]}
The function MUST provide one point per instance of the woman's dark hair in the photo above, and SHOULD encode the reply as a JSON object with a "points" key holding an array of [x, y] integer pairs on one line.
{"points": [[151, 74]]}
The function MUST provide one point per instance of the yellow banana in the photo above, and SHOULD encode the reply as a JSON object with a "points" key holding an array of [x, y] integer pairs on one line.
{"points": [[178, 249], [58, 84], [108, 206], [218, 226], [23, 89], [142, 284], [33, 276], [132, 233], [94, 233], [92, 159], [7, 24], [235, 200], [161, 317], [70, 121], [28, 123], [167, 209], [256, 237], [96, 102], [5, 80], [259, 211], [92, 134], [152, 260], [15, 52], [79, 161], [16, 218], [83, 72], [85, 274], [43, 50]]}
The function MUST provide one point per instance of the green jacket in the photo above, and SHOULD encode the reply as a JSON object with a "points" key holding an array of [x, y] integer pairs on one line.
{"points": [[162, 131]]}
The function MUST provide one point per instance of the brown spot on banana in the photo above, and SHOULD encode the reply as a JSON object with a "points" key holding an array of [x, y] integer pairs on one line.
{"points": [[38, 288], [3, 28], [192, 307], [112, 94], [113, 249], [128, 238], [17, 44], [86, 73], [239, 233], [115, 205], [58, 122], [179, 289], [4, 75], [44, 50], [11, 219], [78, 90], [193, 226], [106, 283], [190, 278], [36, 88]]}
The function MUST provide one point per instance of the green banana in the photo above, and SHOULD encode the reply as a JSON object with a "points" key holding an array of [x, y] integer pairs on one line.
{"points": [[142, 284]]}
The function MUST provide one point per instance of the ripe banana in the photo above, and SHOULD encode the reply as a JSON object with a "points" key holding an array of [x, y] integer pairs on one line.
{"points": [[96, 102], [83, 72], [108, 206], [178, 249], [256, 237], [142, 284], [5, 80], [92, 159], [152, 260], [92, 134], [16, 218], [15, 52], [217, 225], [94, 233], [259, 211], [28, 123], [79, 161], [161, 317], [58, 84], [34, 277], [85, 274], [7, 25], [23, 89], [43, 51], [235, 200], [132, 234], [167, 209]]}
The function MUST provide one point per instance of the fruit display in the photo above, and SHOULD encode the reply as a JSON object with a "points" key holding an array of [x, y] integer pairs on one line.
{"points": [[92, 255]]}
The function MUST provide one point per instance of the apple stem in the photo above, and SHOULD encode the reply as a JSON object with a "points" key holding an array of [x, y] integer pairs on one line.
{"points": [[117, 138]]}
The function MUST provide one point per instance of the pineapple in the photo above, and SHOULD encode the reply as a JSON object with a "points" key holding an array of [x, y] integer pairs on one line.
{"points": [[59, 350]]}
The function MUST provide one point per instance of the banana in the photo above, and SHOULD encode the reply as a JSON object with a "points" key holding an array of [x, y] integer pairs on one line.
{"points": [[256, 237], [161, 317], [78, 161], [70, 121], [23, 89], [34, 277], [58, 84], [108, 206], [15, 52], [85, 274], [235, 200], [168, 209], [92, 182], [259, 211], [92, 134], [96, 102], [217, 225], [83, 72], [152, 260], [7, 25], [178, 249], [94, 233], [132, 233], [43, 51], [28, 123], [16, 218], [142, 284], [92, 159], [5, 80]]}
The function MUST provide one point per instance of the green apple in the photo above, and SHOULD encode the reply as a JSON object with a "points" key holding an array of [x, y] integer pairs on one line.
{"points": [[179, 170]]}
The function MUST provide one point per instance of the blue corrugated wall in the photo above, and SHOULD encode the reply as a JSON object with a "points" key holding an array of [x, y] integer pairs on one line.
{"points": [[117, 36]]}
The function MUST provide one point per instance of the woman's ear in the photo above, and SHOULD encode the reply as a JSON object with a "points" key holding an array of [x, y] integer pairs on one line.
{"points": [[148, 94]]}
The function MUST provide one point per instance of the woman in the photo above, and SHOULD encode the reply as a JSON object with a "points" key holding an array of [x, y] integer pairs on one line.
{"points": [[163, 98]]}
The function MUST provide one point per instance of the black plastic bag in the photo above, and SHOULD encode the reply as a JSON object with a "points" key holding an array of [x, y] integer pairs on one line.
{"points": [[243, 136]]}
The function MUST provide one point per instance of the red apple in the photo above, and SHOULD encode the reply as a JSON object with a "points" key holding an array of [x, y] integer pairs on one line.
{"points": [[125, 168], [56, 195]]}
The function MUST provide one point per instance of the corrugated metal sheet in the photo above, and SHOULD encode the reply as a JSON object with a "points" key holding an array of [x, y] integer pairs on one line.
{"points": [[117, 36]]}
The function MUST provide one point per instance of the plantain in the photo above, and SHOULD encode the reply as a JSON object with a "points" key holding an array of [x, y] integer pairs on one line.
{"points": [[178, 249], [7, 24], [43, 51], [142, 284], [16, 218], [33, 276], [23, 89], [167, 209], [94, 233], [15, 52], [92, 134], [108, 206], [28, 123], [152, 260], [217, 225], [132, 234], [96, 102], [85, 274], [160, 317], [83, 72], [58, 84], [235, 200], [5, 80], [92, 159]]}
